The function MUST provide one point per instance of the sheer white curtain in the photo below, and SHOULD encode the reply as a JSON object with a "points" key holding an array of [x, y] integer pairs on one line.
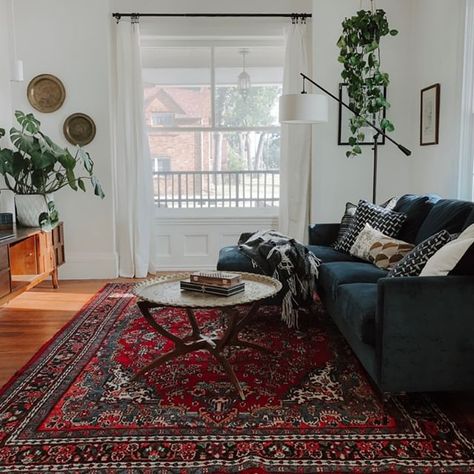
{"points": [[295, 161], [134, 214]]}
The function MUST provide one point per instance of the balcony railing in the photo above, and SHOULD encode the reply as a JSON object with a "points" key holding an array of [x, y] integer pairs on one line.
{"points": [[207, 189]]}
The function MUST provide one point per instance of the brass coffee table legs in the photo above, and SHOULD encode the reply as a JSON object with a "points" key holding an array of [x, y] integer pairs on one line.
{"points": [[197, 341]]}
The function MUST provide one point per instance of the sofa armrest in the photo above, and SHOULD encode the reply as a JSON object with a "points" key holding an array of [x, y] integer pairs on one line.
{"points": [[323, 234], [425, 333]]}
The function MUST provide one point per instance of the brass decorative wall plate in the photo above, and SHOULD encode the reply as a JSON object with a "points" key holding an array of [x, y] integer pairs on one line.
{"points": [[79, 129], [46, 93]]}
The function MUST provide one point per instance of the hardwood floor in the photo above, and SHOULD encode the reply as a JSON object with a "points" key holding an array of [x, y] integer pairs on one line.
{"points": [[31, 319]]}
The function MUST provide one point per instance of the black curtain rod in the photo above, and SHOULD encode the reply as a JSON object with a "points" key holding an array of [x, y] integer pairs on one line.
{"points": [[214, 15]]}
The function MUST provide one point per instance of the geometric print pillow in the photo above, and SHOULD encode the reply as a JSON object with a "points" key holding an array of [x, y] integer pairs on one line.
{"points": [[384, 220], [387, 252], [413, 263]]}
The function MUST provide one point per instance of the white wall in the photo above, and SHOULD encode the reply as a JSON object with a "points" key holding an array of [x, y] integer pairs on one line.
{"points": [[437, 57], [5, 91], [70, 39], [428, 49], [73, 41], [335, 178]]}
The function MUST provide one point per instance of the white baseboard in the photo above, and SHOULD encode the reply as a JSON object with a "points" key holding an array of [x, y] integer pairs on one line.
{"points": [[87, 266]]}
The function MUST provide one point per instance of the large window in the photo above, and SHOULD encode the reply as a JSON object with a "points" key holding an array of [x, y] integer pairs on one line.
{"points": [[219, 131]]}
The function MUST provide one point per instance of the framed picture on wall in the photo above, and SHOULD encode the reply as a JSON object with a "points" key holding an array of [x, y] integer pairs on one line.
{"points": [[344, 131], [429, 115]]}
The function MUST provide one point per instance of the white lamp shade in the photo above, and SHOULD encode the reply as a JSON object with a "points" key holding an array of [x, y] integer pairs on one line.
{"points": [[17, 72], [303, 108]]}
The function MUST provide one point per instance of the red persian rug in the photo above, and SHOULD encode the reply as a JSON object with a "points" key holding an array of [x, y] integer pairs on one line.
{"points": [[309, 407]]}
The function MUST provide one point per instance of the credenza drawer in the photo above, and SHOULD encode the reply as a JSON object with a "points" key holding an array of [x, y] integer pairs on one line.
{"points": [[5, 287], [4, 260]]}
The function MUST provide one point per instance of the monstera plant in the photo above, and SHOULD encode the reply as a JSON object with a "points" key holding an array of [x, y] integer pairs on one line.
{"points": [[35, 167], [360, 55]]}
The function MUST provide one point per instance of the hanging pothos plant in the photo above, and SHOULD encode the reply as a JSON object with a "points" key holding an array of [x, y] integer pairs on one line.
{"points": [[360, 55]]}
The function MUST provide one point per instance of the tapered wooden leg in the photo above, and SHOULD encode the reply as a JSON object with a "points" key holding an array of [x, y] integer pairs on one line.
{"points": [[178, 351], [251, 345], [230, 373], [54, 278], [197, 341]]}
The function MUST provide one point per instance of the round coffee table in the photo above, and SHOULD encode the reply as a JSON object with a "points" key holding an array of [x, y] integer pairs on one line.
{"points": [[165, 291]]}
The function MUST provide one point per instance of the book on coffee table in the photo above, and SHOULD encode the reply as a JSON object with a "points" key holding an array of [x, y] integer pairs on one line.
{"points": [[212, 289], [223, 279]]}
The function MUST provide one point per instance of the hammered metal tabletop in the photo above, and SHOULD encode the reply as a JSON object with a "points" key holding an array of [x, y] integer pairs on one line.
{"points": [[165, 291]]}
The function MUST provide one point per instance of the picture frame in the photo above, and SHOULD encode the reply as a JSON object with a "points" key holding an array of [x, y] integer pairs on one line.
{"points": [[429, 115], [344, 131]]}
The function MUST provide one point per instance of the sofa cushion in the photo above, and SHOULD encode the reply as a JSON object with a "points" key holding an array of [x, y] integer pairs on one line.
{"points": [[356, 304], [469, 220], [381, 219], [446, 260], [416, 209], [446, 214], [346, 220], [413, 263], [232, 259], [328, 254], [334, 274]]}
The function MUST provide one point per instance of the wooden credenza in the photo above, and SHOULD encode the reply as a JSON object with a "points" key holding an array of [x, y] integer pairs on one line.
{"points": [[29, 257]]}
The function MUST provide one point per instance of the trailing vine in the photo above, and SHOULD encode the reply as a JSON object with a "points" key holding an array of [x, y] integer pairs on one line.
{"points": [[359, 47]]}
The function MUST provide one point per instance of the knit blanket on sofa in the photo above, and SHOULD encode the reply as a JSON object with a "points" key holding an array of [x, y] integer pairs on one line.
{"points": [[288, 261]]}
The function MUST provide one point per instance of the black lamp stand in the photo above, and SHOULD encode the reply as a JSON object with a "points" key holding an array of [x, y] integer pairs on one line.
{"points": [[379, 131]]}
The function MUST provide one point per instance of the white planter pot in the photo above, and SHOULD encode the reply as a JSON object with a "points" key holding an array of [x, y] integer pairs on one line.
{"points": [[29, 207]]}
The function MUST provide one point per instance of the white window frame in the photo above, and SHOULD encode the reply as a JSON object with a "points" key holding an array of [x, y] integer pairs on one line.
{"points": [[212, 44]]}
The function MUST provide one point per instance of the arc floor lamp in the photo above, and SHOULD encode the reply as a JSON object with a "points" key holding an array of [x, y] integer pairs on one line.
{"points": [[313, 108]]}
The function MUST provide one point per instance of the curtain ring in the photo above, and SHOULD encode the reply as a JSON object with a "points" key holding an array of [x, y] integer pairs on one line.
{"points": [[135, 18]]}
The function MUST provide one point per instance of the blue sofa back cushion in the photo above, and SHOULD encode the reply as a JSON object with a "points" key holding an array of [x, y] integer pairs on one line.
{"points": [[446, 214], [417, 209], [465, 266], [469, 220]]}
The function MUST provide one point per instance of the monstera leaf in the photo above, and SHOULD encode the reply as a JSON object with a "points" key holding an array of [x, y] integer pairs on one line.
{"points": [[37, 165]]}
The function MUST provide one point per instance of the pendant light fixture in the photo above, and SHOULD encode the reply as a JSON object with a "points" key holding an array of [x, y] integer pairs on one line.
{"points": [[243, 82]]}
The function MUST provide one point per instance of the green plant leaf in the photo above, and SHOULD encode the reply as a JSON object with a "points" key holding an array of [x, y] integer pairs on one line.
{"points": [[67, 160], [71, 178], [81, 184], [359, 45], [85, 159], [393, 32], [28, 122], [97, 187], [2, 132]]}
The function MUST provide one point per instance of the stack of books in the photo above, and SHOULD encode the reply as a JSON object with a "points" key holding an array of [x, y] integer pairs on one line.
{"points": [[214, 283]]}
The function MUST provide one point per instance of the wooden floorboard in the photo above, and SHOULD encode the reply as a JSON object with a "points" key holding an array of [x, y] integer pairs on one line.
{"points": [[34, 317]]}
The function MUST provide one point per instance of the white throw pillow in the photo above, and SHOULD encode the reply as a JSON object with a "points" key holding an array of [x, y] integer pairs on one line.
{"points": [[446, 258], [364, 241]]}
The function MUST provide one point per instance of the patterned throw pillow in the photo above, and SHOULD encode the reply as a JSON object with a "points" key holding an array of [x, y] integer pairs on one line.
{"points": [[386, 252], [364, 242], [348, 216], [384, 220], [413, 263], [346, 220]]}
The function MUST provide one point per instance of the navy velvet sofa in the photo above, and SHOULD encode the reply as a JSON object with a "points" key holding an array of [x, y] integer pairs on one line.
{"points": [[411, 333]]}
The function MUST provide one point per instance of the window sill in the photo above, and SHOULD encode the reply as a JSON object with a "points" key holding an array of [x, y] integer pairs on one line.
{"points": [[219, 213]]}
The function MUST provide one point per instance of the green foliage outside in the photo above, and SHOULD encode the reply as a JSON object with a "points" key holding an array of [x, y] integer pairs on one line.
{"points": [[256, 109]]}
